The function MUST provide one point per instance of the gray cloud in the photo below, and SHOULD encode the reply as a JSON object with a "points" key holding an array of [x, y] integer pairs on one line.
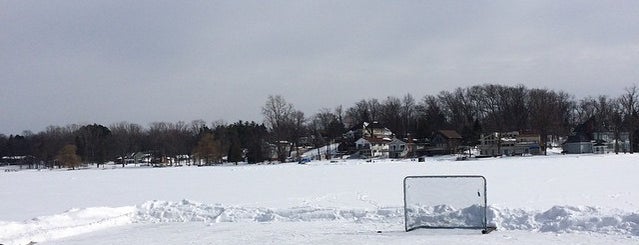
{"points": [[142, 61]]}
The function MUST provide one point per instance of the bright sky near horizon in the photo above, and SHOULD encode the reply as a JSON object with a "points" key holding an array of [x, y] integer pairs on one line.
{"points": [[87, 61]]}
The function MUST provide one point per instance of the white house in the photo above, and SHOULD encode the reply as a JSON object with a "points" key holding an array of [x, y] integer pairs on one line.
{"points": [[509, 143], [397, 149], [374, 147]]}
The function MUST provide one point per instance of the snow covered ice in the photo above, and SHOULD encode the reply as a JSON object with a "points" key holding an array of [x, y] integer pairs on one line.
{"points": [[551, 200]]}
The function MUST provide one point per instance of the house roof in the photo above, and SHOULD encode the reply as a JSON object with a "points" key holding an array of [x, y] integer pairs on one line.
{"points": [[374, 124], [450, 134], [377, 140], [397, 141], [578, 137]]}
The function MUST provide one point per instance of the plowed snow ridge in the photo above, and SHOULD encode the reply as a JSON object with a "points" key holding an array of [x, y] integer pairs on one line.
{"points": [[559, 219]]}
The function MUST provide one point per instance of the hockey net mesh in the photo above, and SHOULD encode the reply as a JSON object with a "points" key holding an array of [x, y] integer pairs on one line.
{"points": [[440, 202]]}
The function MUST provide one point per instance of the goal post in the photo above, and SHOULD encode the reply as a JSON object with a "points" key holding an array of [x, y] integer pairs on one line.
{"points": [[445, 202]]}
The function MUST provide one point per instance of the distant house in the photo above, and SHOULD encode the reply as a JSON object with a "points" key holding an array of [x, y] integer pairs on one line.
{"points": [[444, 142], [28, 161], [509, 143], [373, 147], [373, 140], [607, 141], [277, 151], [578, 143], [419, 147], [597, 142], [599, 147], [397, 149], [366, 130], [376, 130]]}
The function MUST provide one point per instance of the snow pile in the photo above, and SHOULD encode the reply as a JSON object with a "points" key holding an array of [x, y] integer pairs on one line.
{"points": [[559, 219], [183, 211], [69, 223], [444, 216], [566, 219], [188, 211]]}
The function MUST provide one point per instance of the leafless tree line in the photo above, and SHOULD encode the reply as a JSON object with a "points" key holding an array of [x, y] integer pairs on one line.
{"points": [[471, 111]]}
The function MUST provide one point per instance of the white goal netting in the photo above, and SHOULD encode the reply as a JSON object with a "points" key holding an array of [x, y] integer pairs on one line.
{"points": [[440, 202]]}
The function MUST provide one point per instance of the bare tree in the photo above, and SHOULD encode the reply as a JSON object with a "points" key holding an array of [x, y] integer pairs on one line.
{"points": [[549, 113], [431, 117], [460, 111], [389, 114], [68, 157], [408, 114], [284, 122], [126, 139], [208, 149], [197, 126], [514, 111], [277, 115], [358, 114], [630, 112]]}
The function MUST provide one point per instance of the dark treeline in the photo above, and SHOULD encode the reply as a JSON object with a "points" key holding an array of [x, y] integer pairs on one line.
{"points": [[99, 144], [470, 111]]}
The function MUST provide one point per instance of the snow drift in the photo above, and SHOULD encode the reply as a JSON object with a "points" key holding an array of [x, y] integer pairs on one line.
{"points": [[559, 219]]}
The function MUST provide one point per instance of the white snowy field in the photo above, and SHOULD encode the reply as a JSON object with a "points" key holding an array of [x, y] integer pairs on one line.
{"points": [[559, 199]]}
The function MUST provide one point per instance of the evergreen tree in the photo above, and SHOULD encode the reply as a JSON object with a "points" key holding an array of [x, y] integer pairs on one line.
{"points": [[235, 151]]}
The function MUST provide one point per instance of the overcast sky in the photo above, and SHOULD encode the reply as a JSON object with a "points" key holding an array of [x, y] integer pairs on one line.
{"points": [[64, 62]]}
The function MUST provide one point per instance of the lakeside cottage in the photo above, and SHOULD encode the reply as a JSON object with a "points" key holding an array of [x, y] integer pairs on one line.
{"points": [[509, 144]]}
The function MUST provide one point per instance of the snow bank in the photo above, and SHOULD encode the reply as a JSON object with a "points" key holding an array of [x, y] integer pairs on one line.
{"points": [[188, 211], [559, 219], [69, 223], [444, 216], [566, 219]]}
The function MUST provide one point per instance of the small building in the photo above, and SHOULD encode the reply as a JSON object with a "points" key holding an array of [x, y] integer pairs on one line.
{"points": [[597, 142], [578, 143], [22, 161], [373, 147], [599, 147], [609, 142], [509, 143], [398, 149], [444, 142], [374, 134]]}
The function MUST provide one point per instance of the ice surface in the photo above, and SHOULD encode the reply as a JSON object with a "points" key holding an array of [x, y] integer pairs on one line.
{"points": [[579, 199]]}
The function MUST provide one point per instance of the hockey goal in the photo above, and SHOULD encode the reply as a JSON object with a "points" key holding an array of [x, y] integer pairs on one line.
{"points": [[445, 202]]}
